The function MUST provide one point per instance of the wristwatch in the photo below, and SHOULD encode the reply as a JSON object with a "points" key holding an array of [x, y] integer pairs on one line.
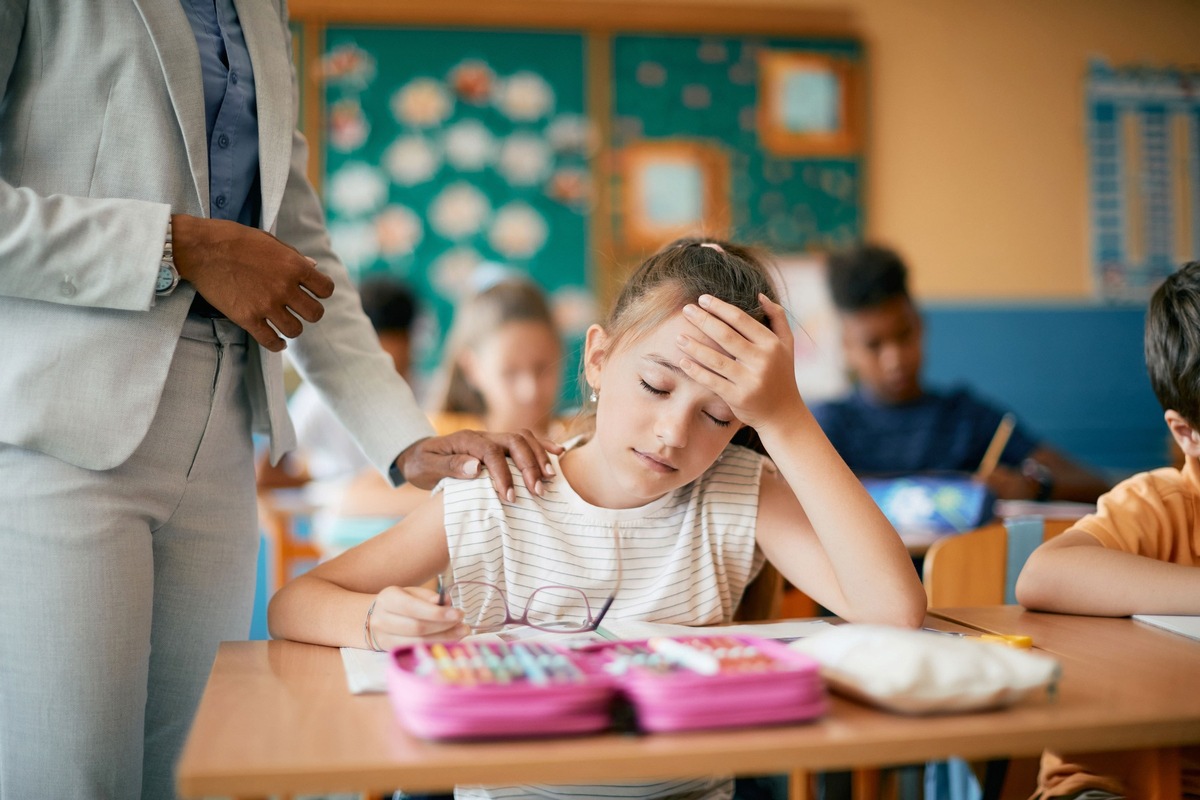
{"points": [[168, 276], [1041, 476]]}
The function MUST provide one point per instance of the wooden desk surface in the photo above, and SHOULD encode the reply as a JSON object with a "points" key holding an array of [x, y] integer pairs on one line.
{"points": [[277, 717], [1118, 651]]}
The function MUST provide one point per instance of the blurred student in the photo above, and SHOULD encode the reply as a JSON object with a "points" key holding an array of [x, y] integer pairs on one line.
{"points": [[503, 363], [893, 423], [325, 451], [1140, 552], [501, 371]]}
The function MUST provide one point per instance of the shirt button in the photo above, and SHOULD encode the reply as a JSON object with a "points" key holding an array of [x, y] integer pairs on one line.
{"points": [[233, 77], [223, 140], [67, 287], [219, 202]]}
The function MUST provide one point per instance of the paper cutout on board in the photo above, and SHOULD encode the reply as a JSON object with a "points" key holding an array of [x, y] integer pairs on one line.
{"points": [[809, 102], [672, 193]]}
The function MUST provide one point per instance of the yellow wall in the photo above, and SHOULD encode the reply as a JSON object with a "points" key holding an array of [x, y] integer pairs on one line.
{"points": [[976, 156]]}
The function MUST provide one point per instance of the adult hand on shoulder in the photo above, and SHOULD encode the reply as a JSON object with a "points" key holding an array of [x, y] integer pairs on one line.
{"points": [[459, 455], [402, 614], [753, 372], [250, 276]]}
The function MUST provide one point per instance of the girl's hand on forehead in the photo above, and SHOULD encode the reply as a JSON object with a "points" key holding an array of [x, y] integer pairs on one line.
{"points": [[759, 381]]}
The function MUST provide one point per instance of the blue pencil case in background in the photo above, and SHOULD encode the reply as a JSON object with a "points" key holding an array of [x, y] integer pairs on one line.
{"points": [[941, 503]]}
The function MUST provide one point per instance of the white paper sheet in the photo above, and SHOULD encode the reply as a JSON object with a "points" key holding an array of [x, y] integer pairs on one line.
{"points": [[1181, 624]]}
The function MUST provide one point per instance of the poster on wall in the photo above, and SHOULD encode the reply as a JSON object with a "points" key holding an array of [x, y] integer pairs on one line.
{"points": [[820, 368], [454, 158], [754, 138], [1144, 176]]}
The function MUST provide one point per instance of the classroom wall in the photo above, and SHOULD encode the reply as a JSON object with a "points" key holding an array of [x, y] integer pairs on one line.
{"points": [[1073, 373], [976, 153]]}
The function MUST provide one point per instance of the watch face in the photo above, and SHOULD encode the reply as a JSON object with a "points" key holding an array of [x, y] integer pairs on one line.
{"points": [[165, 278]]}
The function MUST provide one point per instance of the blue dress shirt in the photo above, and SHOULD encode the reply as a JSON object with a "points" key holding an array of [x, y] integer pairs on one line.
{"points": [[230, 114]]}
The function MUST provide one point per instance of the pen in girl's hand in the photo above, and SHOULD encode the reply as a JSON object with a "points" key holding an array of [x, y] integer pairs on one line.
{"points": [[441, 591]]}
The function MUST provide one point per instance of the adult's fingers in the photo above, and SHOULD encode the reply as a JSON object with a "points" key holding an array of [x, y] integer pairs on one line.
{"points": [[306, 306], [264, 334], [317, 282], [529, 454], [286, 323]]}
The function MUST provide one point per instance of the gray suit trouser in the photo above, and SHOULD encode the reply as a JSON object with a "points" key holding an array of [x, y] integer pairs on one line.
{"points": [[117, 585]]}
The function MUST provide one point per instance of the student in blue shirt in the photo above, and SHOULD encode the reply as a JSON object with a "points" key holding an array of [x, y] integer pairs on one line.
{"points": [[893, 423]]}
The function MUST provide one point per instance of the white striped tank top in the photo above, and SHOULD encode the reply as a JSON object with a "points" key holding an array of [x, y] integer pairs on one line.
{"points": [[686, 558]]}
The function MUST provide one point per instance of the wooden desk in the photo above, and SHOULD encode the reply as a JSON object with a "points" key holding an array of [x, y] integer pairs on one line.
{"points": [[1121, 656], [1110, 651], [276, 717]]}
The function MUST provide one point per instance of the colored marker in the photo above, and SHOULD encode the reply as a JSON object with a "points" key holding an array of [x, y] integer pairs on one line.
{"points": [[445, 663], [529, 664], [685, 656]]}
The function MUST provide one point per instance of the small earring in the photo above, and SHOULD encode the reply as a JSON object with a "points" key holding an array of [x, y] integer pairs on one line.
{"points": [[595, 396]]}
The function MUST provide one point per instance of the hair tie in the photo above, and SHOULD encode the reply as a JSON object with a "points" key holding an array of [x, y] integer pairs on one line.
{"points": [[714, 246]]}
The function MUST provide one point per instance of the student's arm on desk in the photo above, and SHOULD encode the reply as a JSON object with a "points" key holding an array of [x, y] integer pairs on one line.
{"points": [[1070, 480], [1075, 574], [328, 605]]}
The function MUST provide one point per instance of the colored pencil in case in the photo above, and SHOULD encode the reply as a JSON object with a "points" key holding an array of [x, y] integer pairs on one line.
{"points": [[483, 672], [445, 663], [529, 663], [685, 656], [495, 664]]}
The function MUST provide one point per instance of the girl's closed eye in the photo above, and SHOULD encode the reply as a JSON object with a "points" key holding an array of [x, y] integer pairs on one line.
{"points": [[715, 419], [652, 390]]}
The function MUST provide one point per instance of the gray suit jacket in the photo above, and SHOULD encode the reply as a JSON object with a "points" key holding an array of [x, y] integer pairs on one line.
{"points": [[102, 137]]}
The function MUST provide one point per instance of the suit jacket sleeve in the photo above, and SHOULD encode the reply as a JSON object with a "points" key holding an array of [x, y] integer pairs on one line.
{"points": [[105, 252], [341, 355]]}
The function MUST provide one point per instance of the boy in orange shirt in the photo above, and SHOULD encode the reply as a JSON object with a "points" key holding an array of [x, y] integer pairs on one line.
{"points": [[1139, 553]]}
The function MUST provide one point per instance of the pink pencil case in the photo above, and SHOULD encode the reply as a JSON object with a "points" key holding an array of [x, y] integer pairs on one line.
{"points": [[784, 687], [434, 707], [461, 697]]}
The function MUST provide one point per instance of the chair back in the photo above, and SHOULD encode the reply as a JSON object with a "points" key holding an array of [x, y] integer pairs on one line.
{"points": [[763, 598], [980, 568]]}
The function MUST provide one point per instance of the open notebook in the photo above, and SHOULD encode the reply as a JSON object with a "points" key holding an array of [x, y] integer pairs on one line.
{"points": [[366, 670], [1183, 625]]}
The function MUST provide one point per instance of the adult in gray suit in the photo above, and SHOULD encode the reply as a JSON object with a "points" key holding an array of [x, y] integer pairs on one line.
{"points": [[159, 243]]}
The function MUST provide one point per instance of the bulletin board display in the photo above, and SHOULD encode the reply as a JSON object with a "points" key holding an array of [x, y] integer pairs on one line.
{"points": [[753, 138], [452, 158], [1143, 128]]}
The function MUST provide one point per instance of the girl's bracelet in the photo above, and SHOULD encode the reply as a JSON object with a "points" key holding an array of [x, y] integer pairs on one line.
{"points": [[368, 634]]}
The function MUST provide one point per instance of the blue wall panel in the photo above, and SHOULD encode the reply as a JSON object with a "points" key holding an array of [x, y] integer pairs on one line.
{"points": [[1074, 374]]}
